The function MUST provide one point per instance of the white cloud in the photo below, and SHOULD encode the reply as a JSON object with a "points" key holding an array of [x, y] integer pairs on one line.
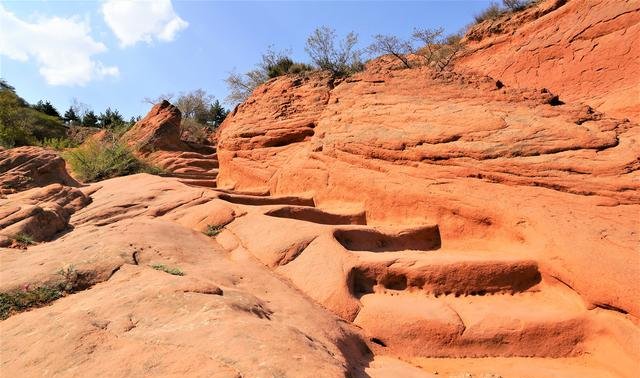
{"points": [[135, 21], [62, 47]]}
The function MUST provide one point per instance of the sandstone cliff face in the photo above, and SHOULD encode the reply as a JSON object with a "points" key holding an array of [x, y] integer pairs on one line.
{"points": [[496, 167], [585, 51]]}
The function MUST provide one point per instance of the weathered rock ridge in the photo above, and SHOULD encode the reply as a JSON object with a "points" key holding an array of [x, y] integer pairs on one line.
{"points": [[156, 138], [29, 167]]}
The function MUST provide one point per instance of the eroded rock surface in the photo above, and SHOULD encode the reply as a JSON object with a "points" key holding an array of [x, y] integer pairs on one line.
{"points": [[29, 167], [39, 213], [583, 51], [280, 280], [489, 165], [156, 138], [394, 223], [159, 129], [225, 313]]}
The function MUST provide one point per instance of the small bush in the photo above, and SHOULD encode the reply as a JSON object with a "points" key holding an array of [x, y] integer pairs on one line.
{"points": [[438, 50], [23, 240], [174, 271], [516, 5], [278, 63], [69, 277], [193, 131], [101, 160], [341, 58], [58, 143], [273, 64], [18, 301], [15, 136], [491, 13], [494, 10], [298, 68], [22, 300], [392, 45], [213, 230]]}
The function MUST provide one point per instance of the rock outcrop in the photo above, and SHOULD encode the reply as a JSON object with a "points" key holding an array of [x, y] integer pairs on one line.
{"points": [[29, 167], [145, 278], [583, 51], [224, 312], [528, 189], [495, 166], [40, 213], [158, 130], [156, 138]]}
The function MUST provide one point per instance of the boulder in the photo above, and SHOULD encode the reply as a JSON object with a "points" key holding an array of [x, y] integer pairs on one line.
{"points": [[158, 130], [28, 167]]}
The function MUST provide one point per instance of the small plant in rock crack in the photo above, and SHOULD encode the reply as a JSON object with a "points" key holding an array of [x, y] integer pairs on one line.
{"points": [[171, 270], [22, 300], [23, 240], [213, 230], [28, 297], [69, 277]]}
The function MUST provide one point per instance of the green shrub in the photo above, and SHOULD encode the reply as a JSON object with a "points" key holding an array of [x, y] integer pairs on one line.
{"points": [[15, 301], [18, 301], [284, 65], [174, 271], [58, 143], [23, 239], [273, 64], [15, 136], [101, 160], [516, 5], [494, 10], [213, 230]]}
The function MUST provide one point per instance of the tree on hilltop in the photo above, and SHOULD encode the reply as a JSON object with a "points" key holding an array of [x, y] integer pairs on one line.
{"points": [[46, 108], [70, 116], [340, 58], [391, 45]]}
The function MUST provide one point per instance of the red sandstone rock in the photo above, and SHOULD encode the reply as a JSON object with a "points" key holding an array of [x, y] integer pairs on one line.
{"points": [[158, 130], [217, 319], [444, 215], [40, 213], [408, 145], [583, 51], [29, 167], [156, 138]]}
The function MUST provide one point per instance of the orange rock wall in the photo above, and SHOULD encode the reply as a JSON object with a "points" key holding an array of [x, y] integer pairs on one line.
{"points": [[497, 168], [583, 50]]}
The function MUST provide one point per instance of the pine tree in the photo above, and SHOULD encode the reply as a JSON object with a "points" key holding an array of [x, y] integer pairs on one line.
{"points": [[110, 118], [218, 113], [70, 116], [90, 119], [46, 108]]}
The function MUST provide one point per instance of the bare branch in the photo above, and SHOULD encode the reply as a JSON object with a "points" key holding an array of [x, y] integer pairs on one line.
{"points": [[392, 45]]}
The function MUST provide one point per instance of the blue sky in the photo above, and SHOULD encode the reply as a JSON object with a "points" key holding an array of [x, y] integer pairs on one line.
{"points": [[114, 54]]}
